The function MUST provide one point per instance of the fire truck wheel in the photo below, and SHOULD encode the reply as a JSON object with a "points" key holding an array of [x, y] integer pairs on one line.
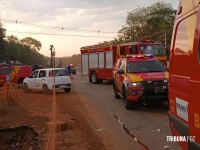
{"points": [[46, 89], [26, 89], [94, 78], [117, 96]]}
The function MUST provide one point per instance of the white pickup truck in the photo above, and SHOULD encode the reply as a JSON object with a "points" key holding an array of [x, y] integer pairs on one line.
{"points": [[43, 79]]}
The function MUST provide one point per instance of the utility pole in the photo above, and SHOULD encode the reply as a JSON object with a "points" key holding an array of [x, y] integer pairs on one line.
{"points": [[53, 53]]}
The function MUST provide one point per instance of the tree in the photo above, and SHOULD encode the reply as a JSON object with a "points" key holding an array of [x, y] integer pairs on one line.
{"points": [[12, 39], [149, 23], [17, 51], [2, 35], [33, 43]]}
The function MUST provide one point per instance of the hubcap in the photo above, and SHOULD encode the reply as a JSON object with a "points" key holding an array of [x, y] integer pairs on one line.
{"points": [[94, 77]]}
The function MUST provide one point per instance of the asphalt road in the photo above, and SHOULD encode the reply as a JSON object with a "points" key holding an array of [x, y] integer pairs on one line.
{"points": [[148, 125]]}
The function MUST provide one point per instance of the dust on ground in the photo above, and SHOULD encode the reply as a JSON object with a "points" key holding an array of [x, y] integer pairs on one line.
{"points": [[33, 110]]}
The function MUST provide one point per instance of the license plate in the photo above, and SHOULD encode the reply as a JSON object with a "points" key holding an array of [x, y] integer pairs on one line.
{"points": [[62, 86], [159, 89]]}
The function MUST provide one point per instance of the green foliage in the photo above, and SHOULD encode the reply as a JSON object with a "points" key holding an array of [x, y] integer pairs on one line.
{"points": [[149, 23], [20, 52], [32, 43], [2, 35], [25, 50]]}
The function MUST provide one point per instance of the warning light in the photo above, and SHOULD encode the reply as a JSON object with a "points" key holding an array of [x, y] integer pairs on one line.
{"points": [[140, 56]]}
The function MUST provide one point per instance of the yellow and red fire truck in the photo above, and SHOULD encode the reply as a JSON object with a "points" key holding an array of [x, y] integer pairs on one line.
{"points": [[184, 77], [98, 60], [14, 74]]}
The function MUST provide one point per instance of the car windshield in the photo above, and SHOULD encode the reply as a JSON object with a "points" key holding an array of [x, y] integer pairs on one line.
{"points": [[145, 66], [155, 50]]}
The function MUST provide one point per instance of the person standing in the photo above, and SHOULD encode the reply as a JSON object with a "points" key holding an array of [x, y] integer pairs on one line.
{"points": [[69, 69]]}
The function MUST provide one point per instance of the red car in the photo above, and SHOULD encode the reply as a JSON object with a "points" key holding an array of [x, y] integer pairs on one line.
{"points": [[140, 78]]}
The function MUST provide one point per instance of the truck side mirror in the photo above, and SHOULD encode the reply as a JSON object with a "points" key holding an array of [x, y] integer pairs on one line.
{"points": [[120, 71]]}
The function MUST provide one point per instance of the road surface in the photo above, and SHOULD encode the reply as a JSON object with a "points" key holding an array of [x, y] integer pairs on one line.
{"points": [[149, 123]]}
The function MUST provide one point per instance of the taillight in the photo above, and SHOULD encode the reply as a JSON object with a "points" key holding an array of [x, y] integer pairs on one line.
{"points": [[50, 74]]}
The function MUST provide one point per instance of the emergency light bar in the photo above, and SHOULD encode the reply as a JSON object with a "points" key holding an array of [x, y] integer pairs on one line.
{"points": [[140, 56], [147, 41]]}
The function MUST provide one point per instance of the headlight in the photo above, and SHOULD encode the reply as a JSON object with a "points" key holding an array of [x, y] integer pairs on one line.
{"points": [[135, 84], [165, 81]]}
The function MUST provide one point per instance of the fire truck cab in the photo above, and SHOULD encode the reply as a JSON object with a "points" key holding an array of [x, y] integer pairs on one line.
{"points": [[184, 77], [145, 47], [98, 60]]}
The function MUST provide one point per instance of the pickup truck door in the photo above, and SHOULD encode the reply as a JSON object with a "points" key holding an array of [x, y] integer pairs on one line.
{"points": [[40, 79], [32, 80], [120, 77]]}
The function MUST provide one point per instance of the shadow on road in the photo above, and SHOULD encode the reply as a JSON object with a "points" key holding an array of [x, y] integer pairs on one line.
{"points": [[154, 107]]}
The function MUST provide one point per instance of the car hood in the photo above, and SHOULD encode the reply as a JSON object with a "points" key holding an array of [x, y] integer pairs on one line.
{"points": [[137, 77]]}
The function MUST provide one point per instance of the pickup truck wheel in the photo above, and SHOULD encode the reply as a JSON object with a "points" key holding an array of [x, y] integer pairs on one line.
{"points": [[127, 103], [46, 89], [67, 90], [26, 89], [117, 96], [94, 78]]}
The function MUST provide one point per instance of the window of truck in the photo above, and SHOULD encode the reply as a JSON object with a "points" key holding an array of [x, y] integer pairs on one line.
{"points": [[7, 70], [144, 66], [185, 36], [42, 74], [34, 75], [122, 51], [155, 50], [61, 73], [133, 50], [183, 47]]}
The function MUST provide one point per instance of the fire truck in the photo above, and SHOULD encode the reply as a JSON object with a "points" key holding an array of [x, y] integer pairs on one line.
{"points": [[14, 74], [98, 60], [184, 75]]}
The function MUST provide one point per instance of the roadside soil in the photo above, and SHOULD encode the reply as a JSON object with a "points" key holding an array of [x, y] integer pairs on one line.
{"points": [[24, 121]]}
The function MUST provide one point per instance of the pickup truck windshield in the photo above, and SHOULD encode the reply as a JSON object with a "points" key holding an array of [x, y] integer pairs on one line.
{"points": [[144, 66], [155, 50]]}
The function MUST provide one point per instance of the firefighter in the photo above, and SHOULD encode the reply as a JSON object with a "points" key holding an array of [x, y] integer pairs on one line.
{"points": [[69, 69]]}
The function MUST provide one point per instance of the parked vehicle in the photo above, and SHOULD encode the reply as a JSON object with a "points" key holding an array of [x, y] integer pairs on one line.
{"points": [[98, 60], [43, 79], [78, 67], [140, 78], [14, 74], [184, 77]]}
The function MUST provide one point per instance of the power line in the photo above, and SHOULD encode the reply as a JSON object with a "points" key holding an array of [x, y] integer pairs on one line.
{"points": [[42, 33], [53, 27]]}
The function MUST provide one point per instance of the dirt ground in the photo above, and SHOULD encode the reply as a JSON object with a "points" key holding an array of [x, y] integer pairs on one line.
{"points": [[23, 123]]}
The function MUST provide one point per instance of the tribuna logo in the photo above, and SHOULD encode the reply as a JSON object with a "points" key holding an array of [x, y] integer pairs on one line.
{"points": [[180, 138]]}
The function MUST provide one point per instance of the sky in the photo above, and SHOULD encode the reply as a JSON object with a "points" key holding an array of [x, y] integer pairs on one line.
{"points": [[68, 25]]}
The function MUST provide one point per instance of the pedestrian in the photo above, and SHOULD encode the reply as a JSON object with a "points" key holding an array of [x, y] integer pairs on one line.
{"points": [[69, 69]]}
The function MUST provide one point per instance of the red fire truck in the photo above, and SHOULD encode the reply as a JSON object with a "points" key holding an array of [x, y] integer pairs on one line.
{"points": [[184, 77], [14, 74], [98, 60]]}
